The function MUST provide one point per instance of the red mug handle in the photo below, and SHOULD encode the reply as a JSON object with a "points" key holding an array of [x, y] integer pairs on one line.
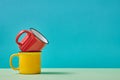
{"points": [[19, 34]]}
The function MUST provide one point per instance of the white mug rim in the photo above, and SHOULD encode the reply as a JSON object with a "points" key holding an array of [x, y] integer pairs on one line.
{"points": [[39, 35]]}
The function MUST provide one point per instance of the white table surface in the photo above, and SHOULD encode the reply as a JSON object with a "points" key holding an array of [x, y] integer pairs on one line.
{"points": [[64, 74]]}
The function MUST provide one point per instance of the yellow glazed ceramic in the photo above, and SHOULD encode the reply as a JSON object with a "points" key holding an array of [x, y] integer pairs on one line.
{"points": [[29, 62]]}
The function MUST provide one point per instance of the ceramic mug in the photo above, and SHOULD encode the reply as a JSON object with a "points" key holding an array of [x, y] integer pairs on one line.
{"points": [[33, 41], [29, 62]]}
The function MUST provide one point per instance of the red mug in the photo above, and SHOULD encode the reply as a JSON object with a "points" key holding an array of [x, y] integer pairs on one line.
{"points": [[33, 41]]}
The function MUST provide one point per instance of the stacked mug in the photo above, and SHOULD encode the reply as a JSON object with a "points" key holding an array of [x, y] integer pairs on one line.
{"points": [[30, 55]]}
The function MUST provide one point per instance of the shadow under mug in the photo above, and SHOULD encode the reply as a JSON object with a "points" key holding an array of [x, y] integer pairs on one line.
{"points": [[29, 62], [33, 41]]}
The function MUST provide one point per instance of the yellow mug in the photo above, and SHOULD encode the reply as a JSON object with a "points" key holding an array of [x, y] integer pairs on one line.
{"points": [[29, 62]]}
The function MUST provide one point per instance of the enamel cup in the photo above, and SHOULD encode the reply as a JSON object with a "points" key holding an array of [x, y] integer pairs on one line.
{"points": [[29, 62], [33, 41]]}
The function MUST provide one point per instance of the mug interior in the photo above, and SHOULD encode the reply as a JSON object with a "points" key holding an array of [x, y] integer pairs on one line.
{"points": [[39, 35]]}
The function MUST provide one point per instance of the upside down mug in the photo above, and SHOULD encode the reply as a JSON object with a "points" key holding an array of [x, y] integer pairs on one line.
{"points": [[33, 41], [29, 62]]}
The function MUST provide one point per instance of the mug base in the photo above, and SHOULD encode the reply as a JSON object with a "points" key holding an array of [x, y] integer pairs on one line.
{"points": [[29, 73]]}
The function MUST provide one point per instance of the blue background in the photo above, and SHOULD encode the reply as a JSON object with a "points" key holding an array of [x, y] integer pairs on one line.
{"points": [[82, 33]]}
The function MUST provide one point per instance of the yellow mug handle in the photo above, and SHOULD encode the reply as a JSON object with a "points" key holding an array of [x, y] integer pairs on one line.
{"points": [[11, 65]]}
